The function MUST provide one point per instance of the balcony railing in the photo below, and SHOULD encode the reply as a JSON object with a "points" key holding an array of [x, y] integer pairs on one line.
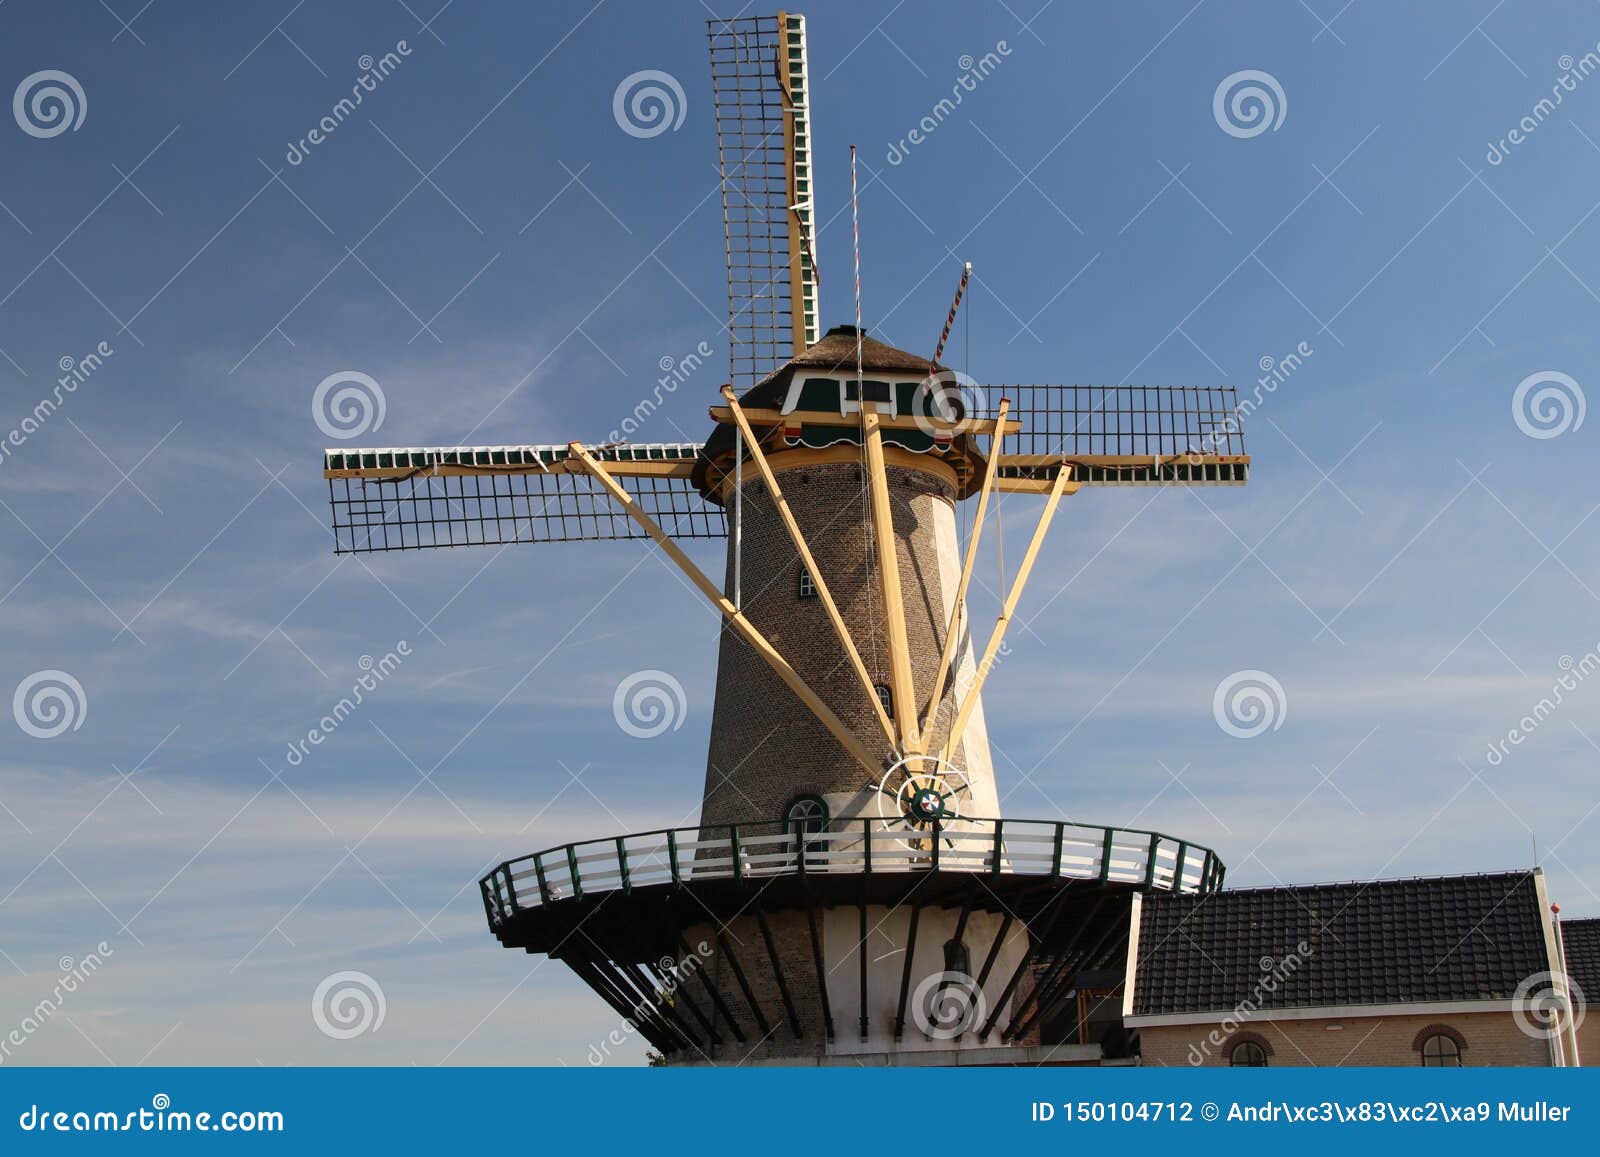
{"points": [[754, 851]]}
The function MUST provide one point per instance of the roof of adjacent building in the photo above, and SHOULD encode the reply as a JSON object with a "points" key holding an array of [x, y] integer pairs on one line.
{"points": [[1582, 941], [1435, 939]]}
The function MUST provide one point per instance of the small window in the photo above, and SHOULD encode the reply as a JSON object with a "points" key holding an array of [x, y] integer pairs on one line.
{"points": [[1248, 1055], [807, 588], [1441, 1052], [886, 697], [805, 815]]}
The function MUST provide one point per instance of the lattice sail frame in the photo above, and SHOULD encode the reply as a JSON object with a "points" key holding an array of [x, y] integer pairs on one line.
{"points": [[761, 97], [409, 498]]}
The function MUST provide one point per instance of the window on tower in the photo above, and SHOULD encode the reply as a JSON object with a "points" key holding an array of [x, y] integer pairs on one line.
{"points": [[807, 587], [886, 697]]}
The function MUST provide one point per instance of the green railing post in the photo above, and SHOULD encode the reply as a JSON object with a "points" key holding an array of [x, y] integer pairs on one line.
{"points": [[1055, 867], [511, 887], [622, 863], [1150, 859], [1177, 870], [1105, 854], [866, 846], [994, 866], [733, 850], [544, 885], [572, 867], [672, 856]]}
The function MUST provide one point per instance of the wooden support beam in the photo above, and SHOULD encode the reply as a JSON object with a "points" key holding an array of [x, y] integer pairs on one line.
{"points": [[732, 958], [719, 1006], [923, 423], [1006, 611], [894, 608], [861, 955], [905, 972], [958, 609], [822, 971], [777, 973], [759, 457], [746, 629], [1034, 944]]}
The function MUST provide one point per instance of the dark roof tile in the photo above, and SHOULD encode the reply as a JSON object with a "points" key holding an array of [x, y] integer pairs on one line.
{"points": [[1443, 938]]}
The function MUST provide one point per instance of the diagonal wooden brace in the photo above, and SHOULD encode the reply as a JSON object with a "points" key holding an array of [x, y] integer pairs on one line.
{"points": [[747, 630], [1062, 485], [958, 611], [810, 562]]}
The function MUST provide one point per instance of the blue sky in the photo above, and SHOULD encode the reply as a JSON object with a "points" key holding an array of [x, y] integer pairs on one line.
{"points": [[1407, 563]]}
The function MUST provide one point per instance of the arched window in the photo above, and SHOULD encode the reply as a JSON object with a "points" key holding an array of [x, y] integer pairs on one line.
{"points": [[805, 814], [1249, 1053], [1440, 1047], [886, 697], [807, 586]]}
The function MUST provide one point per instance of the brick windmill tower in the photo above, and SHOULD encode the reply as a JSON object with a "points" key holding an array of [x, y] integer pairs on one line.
{"points": [[852, 892]]}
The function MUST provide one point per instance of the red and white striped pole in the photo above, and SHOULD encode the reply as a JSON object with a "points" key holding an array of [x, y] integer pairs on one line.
{"points": [[855, 227]]}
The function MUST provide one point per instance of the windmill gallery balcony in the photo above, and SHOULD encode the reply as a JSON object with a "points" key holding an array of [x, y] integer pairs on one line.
{"points": [[1010, 853]]}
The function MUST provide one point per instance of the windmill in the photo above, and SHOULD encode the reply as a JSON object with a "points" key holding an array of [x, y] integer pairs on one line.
{"points": [[851, 861]]}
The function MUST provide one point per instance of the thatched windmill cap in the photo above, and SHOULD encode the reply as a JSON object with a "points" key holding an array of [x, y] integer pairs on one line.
{"points": [[834, 354]]}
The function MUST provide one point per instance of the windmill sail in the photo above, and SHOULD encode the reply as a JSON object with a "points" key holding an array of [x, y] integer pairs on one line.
{"points": [[406, 498], [1122, 435], [760, 93]]}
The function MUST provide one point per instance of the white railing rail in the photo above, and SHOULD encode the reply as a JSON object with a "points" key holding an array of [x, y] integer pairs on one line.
{"points": [[754, 851]]}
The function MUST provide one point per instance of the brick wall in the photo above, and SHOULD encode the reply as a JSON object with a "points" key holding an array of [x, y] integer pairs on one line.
{"points": [[1492, 1038], [766, 746]]}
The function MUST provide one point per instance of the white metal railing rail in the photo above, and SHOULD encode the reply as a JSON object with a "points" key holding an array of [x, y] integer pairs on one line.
{"points": [[1145, 859]]}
